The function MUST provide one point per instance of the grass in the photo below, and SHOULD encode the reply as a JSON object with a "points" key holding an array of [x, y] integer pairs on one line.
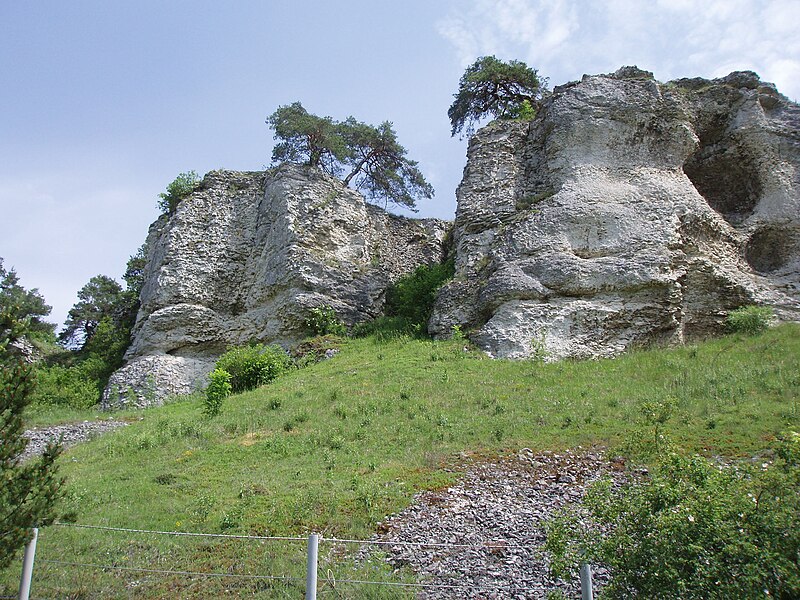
{"points": [[335, 447]]}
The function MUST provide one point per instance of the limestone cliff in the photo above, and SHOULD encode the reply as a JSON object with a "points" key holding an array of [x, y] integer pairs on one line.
{"points": [[245, 257], [627, 212]]}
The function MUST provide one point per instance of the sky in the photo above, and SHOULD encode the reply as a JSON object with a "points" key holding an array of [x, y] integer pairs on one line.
{"points": [[104, 102]]}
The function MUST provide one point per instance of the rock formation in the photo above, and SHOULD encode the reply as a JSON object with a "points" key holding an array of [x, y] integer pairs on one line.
{"points": [[628, 212], [246, 257]]}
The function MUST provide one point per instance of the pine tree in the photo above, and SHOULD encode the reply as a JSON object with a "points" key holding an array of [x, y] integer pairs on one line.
{"points": [[375, 162], [491, 87], [29, 491]]}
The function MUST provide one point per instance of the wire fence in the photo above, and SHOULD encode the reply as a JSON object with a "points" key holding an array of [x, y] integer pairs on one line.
{"points": [[292, 559]]}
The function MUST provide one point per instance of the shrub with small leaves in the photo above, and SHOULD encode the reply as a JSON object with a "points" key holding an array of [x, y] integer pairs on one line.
{"points": [[322, 320], [749, 320], [183, 185], [254, 365], [219, 388], [74, 386], [692, 530]]}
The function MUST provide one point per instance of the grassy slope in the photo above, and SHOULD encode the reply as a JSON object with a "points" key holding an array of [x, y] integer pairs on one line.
{"points": [[335, 447]]}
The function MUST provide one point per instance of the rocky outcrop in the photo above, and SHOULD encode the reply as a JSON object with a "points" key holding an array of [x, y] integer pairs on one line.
{"points": [[628, 212], [246, 257]]}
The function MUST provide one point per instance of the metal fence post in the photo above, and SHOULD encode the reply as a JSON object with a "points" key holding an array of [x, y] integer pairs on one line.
{"points": [[27, 567], [311, 567], [586, 582]]}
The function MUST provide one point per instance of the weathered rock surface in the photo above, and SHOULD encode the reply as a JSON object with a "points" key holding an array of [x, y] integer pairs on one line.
{"points": [[246, 257], [628, 212]]}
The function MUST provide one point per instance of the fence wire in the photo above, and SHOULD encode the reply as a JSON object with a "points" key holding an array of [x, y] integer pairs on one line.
{"points": [[501, 544], [495, 545], [170, 572], [186, 533]]}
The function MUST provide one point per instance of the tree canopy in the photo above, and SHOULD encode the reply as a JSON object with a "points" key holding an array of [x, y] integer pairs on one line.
{"points": [[378, 164], [491, 87], [372, 158], [307, 138], [98, 299], [20, 307]]}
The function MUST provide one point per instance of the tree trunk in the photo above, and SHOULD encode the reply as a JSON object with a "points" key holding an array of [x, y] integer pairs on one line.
{"points": [[355, 171]]}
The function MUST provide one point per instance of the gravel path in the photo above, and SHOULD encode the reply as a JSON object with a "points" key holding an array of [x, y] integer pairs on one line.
{"points": [[70, 434], [498, 508]]}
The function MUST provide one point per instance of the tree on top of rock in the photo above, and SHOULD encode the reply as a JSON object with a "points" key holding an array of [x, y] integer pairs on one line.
{"points": [[375, 163], [378, 164], [491, 87], [306, 138]]}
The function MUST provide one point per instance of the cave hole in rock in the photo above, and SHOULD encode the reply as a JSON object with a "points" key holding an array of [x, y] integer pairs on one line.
{"points": [[770, 248], [726, 178]]}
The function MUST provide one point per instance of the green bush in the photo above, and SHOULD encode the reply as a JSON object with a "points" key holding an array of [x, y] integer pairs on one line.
{"points": [[692, 530], [323, 321], [412, 296], [524, 112], [254, 365], [749, 320], [183, 185], [58, 385], [219, 388]]}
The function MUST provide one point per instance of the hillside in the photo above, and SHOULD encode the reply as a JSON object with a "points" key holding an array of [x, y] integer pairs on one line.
{"points": [[338, 446], [603, 241]]}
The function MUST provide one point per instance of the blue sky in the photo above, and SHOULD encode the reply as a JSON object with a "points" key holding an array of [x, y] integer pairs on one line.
{"points": [[103, 103]]}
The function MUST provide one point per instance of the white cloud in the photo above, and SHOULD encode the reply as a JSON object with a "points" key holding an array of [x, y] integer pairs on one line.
{"points": [[672, 38], [457, 32]]}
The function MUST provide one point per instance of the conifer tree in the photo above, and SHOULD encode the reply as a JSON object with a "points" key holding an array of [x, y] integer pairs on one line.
{"points": [[29, 491], [375, 162], [492, 87]]}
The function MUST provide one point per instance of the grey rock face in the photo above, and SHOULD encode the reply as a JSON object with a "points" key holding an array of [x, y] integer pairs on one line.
{"points": [[246, 257], [628, 212]]}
